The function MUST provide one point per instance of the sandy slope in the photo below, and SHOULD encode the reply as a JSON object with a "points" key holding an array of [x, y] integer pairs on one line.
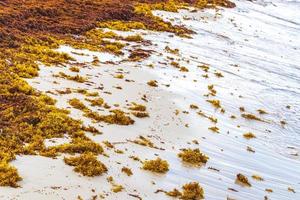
{"points": [[255, 46]]}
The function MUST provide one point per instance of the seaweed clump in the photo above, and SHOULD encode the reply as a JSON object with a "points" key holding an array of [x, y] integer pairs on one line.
{"points": [[127, 171], [77, 145], [243, 180], [141, 140], [249, 135], [261, 111], [86, 164], [96, 102], [134, 38], [27, 118], [9, 175], [193, 156], [117, 117], [152, 83], [117, 188], [140, 114], [215, 103], [251, 117], [76, 103], [137, 107], [76, 78], [214, 129], [139, 110], [257, 177], [158, 165], [190, 191]]}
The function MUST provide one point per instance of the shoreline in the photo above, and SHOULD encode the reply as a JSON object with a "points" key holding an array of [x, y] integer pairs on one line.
{"points": [[225, 51]]}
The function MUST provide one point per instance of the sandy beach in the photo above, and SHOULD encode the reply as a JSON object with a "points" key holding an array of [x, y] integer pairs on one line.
{"points": [[245, 58]]}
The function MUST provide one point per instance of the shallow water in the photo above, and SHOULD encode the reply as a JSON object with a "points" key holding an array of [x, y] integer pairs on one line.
{"points": [[267, 50]]}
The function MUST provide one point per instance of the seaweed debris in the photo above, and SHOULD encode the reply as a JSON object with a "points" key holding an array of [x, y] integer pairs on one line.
{"points": [[190, 191], [193, 156], [242, 180], [158, 165], [86, 164], [30, 31]]}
